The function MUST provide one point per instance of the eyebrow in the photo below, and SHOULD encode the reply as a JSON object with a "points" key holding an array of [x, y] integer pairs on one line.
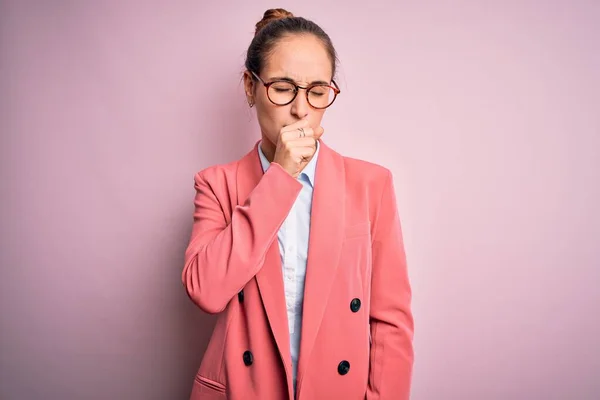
{"points": [[286, 79]]}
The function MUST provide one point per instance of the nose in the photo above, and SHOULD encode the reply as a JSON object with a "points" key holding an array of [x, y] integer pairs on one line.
{"points": [[300, 106]]}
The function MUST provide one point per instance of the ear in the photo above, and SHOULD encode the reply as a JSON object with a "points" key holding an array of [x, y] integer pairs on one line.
{"points": [[249, 86]]}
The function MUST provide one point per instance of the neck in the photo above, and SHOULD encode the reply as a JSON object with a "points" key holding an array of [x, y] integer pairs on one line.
{"points": [[267, 148]]}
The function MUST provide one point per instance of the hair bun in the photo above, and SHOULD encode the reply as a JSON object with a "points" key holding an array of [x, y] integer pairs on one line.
{"points": [[272, 14]]}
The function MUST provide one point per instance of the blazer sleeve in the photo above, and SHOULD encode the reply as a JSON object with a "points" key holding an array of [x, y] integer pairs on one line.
{"points": [[222, 257], [392, 327]]}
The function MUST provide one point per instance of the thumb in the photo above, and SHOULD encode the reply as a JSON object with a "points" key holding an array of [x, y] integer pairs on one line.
{"points": [[319, 132]]}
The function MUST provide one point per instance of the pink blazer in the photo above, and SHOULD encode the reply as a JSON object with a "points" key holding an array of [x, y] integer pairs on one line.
{"points": [[357, 330]]}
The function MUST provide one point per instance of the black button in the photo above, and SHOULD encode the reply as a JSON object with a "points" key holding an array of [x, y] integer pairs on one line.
{"points": [[241, 296], [248, 358], [343, 367], [355, 305]]}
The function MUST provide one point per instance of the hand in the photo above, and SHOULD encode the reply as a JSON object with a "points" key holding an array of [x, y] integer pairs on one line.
{"points": [[296, 145]]}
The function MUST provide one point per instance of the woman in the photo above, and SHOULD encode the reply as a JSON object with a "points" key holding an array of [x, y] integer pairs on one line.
{"points": [[298, 249]]}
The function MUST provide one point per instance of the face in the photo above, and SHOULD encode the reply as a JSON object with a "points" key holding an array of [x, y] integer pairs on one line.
{"points": [[303, 59]]}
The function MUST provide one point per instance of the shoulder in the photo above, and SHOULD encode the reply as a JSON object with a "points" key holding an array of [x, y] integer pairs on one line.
{"points": [[226, 172], [367, 176], [216, 173], [365, 170]]}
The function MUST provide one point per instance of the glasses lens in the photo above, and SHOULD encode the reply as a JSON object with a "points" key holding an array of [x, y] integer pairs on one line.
{"points": [[321, 96], [281, 92]]}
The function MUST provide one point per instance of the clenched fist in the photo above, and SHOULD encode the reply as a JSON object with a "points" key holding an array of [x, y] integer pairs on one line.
{"points": [[296, 145]]}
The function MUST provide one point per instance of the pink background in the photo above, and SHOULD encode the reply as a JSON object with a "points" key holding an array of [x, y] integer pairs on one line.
{"points": [[488, 113]]}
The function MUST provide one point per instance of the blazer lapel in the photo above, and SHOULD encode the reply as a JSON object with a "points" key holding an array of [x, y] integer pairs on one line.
{"points": [[270, 276], [325, 244]]}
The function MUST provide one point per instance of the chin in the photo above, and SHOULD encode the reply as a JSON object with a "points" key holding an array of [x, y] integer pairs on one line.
{"points": [[271, 139]]}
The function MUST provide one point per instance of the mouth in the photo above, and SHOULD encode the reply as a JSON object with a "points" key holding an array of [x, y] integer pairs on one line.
{"points": [[294, 122]]}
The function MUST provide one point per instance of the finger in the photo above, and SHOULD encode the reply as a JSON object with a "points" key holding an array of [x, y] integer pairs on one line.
{"points": [[302, 154], [319, 132], [303, 123], [299, 134], [303, 142]]}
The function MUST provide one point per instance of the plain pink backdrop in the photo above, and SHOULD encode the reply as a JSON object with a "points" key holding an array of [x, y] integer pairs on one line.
{"points": [[488, 114]]}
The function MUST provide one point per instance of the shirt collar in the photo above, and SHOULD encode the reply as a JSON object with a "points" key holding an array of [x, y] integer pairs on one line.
{"points": [[308, 172]]}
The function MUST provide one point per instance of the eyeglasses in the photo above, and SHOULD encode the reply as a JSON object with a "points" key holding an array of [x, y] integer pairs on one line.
{"points": [[282, 93]]}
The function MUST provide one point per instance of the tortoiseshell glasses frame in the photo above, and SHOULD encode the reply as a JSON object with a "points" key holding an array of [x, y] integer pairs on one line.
{"points": [[310, 89]]}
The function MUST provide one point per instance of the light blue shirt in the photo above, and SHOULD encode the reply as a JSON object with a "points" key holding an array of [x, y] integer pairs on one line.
{"points": [[293, 248]]}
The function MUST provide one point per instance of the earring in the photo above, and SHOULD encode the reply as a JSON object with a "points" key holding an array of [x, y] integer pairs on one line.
{"points": [[251, 103]]}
